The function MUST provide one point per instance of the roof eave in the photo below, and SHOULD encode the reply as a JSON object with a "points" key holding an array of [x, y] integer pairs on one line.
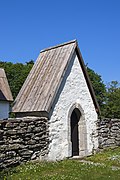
{"points": [[31, 113]]}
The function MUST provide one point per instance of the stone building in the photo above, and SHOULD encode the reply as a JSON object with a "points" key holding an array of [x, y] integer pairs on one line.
{"points": [[5, 96], [58, 87]]}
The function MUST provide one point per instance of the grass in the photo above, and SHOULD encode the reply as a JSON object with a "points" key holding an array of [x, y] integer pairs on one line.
{"points": [[110, 157], [68, 169]]}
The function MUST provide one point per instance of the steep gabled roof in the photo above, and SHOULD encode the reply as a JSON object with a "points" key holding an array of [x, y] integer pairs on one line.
{"points": [[5, 93], [43, 81]]}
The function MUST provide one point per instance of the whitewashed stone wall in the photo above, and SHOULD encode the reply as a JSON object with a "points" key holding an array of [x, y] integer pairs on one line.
{"points": [[4, 109], [73, 92]]}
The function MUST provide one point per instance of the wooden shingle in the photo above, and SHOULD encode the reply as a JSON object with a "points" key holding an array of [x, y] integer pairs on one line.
{"points": [[43, 81]]}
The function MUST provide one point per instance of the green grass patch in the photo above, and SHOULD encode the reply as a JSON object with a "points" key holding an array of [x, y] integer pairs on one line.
{"points": [[110, 157], [67, 169]]}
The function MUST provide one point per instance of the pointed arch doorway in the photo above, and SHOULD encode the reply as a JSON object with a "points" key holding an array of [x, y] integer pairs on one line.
{"points": [[75, 117]]}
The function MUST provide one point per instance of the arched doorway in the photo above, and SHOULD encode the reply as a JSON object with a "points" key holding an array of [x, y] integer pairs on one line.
{"points": [[75, 117]]}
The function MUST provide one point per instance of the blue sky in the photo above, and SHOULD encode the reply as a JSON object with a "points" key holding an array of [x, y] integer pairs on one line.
{"points": [[28, 26]]}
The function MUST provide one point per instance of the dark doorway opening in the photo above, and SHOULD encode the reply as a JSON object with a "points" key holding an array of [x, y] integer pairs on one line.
{"points": [[75, 117]]}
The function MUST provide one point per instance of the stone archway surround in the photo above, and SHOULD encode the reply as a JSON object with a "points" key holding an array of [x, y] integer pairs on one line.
{"points": [[82, 130]]}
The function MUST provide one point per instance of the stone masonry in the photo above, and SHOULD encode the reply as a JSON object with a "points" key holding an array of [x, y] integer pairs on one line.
{"points": [[23, 139], [73, 93], [109, 132]]}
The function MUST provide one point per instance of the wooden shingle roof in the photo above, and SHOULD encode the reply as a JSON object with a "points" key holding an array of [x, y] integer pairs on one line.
{"points": [[5, 93], [43, 81]]}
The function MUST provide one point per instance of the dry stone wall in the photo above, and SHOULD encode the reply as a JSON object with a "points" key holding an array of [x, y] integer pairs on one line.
{"points": [[109, 132], [23, 139]]}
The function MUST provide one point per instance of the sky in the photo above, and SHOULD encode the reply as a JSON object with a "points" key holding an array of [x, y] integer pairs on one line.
{"points": [[28, 26]]}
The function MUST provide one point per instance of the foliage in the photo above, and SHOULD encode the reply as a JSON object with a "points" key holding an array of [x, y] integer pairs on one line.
{"points": [[108, 97], [112, 106], [98, 86], [67, 169], [16, 74]]}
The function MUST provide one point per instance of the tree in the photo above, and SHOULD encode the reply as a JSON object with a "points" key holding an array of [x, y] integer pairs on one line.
{"points": [[98, 86], [112, 106]]}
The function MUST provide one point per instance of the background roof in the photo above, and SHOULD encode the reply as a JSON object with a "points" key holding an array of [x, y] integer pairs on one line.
{"points": [[5, 93]]}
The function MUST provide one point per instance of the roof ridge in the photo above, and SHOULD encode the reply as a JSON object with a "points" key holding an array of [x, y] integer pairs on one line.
{"points": [[59, 45]]}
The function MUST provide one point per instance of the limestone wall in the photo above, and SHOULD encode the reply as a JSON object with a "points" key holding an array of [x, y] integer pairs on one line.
{"points": [[109, 133], [22, 140], [27, 138]]}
